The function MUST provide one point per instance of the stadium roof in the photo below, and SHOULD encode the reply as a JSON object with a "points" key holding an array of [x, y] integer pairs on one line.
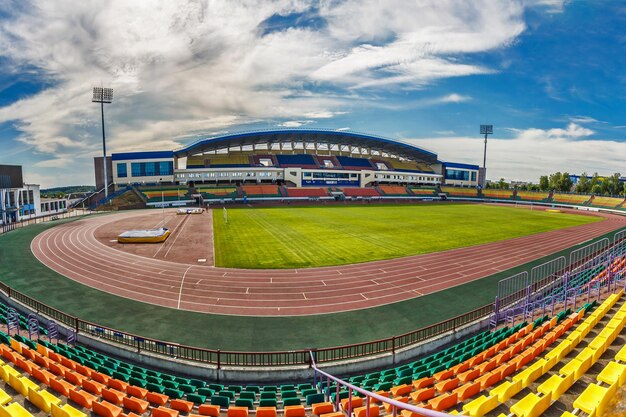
{"points": [[329, 137]]}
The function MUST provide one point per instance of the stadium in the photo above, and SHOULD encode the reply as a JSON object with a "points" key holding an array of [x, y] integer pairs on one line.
{"points": [[321, 273], [312, 208]]}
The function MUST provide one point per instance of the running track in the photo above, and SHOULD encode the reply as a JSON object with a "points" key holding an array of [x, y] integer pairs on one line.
{"points": [[73, 251]]}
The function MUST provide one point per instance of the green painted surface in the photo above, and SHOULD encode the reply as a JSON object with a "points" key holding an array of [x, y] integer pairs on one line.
{"points": [[299, 237]]}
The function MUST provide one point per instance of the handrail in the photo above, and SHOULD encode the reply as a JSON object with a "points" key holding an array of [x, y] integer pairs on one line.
{"points": [[368, 394]]}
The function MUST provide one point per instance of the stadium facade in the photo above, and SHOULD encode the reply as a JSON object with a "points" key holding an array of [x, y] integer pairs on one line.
{"points": [[20, 201], [297, 158]]}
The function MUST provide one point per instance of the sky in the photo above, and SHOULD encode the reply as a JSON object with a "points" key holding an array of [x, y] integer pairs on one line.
{"points": [[548, 74]]}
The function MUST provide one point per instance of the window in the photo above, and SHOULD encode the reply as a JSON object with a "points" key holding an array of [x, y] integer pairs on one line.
{"points": [[122, 170], [136, 169], [166, 168], [473, 175], [266, 162], [457, 174]]}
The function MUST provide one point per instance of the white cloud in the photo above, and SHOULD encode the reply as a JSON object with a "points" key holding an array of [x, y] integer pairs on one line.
{"points": [[187, 68], [453, 98], [534, 152], [342, 129], [583, 119], [294, 123]]}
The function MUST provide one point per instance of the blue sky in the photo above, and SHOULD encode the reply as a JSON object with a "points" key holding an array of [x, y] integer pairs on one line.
{"points": [[548, 74]]}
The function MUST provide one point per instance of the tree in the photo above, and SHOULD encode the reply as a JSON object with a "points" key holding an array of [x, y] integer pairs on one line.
{"points": [[502, 184], [544, 184], [566, 182], [584, 185], [612, 185]]}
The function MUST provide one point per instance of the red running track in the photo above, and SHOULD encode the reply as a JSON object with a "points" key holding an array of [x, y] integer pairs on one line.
{"points": [[73, 251]]}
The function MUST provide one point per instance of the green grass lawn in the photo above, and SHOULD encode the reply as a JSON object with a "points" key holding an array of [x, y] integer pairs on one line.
{"points": [[297, 237]]}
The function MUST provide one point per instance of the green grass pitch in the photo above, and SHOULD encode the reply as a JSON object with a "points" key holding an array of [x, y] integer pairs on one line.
{"points": [[297, 237]]}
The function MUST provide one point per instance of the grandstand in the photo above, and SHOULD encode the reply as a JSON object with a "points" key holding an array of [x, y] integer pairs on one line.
{"points": [[576, 199], [608, 202], [498, 194], [533, 196], [295, 158], [460, 192], [261, 190], [424, 191], [393, 190]]}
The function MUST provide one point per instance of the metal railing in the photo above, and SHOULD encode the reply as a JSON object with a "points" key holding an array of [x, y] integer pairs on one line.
{"points": [[4, 228], [222, 358]]}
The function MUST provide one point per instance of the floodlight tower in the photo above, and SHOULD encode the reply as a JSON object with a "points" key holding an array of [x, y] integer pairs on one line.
{"points": [[103, 95], [486, 130]]}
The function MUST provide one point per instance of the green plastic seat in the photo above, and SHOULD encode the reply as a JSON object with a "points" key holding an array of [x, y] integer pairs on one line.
{"points": [[267, 402], [314, 399], [197, 383], [196, 398], [252, 388], [228, 394], [153, 379], [248, 395], [308, 391], [302, 387], [288, 394], [207, 392], [270, 388], [244, 402], [291, 401], [216, 387], [173, 393], [137, 382], [170, 384], [268, 395], [235, 388], [187, 388], [287, 388], [223, 402], [154, 387]]}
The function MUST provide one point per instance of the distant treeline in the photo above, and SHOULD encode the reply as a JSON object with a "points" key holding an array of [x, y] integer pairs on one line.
{"points": [[58, 192]]}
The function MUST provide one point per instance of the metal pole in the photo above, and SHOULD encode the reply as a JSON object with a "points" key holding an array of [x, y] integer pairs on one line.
{"points": [[484, 153], [104, 154]]}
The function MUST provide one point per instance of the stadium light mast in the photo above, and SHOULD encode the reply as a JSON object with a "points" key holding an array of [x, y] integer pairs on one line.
{"points": [[103, 95], [486, 130]]}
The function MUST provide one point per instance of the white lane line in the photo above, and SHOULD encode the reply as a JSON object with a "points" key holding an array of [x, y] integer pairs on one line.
{"points": [[180, 293]]}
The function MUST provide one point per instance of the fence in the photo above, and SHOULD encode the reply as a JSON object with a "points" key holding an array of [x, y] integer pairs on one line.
{"points": [[4, 228], [233, 358]]}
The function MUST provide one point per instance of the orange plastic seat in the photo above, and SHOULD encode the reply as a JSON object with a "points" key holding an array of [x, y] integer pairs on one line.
{"points": [[443, 375], [462, 367], [42, 361], [137, 405], [212, 410], [443, 402], [265, 412], [24, 365], [83, 398], [486, 367], [164, 412], [489, 379], [334, 414], [181, 405], [61, 386], [162, 399], [117, 384], [113, 396], [423, 382], [30, 354], [93, 386], [322, 408], [83, 370], [57, 369], [43, 375], [348, 404], [408, 413], [401, 390], [294, 411], [106, 409], [469, 375], [136, 391], [506, 369], [423, 395], [10, 355], [68, 363], [236, 411], [447, 385], [477, 359], [74, 378], [468, 390], [389, 407], [101, 378], [362, 411], [382, 394]]}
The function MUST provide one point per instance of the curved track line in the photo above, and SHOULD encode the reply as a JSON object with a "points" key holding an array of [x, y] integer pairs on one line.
{"points": [[73, 251]]}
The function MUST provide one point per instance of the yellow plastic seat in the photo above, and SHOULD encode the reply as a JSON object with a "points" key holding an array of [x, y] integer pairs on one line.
{"points": [[531, 405], [43, 400], [556, 385], [506, 390], [66, 411], [4, 397], [481, 406], [621, 355], [21, 384], [14, 410], [598, 345], [529, 374], [6, 370], [594, 398], [613, 372]]}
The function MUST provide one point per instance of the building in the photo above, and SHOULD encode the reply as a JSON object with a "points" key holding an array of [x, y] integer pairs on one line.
{"points": [[294, 157], [19, 201]]}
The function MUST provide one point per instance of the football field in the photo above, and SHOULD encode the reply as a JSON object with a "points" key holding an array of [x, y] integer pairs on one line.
{"points": [[298, 237]]}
